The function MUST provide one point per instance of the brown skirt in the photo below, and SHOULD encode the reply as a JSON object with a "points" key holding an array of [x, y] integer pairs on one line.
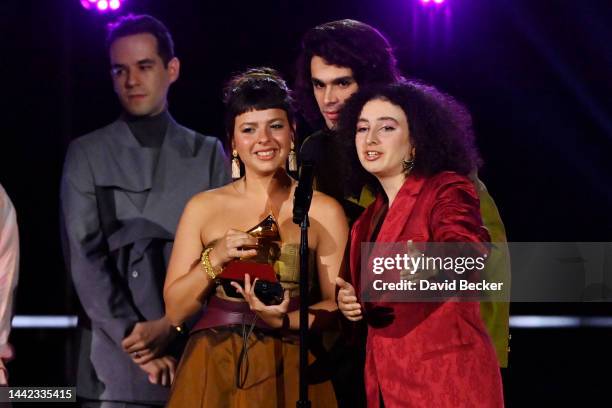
{"points": [[206, 376]]}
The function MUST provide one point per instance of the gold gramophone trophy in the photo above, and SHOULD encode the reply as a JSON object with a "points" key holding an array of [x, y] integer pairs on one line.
{"points": [[268, 242], [260, 266]]}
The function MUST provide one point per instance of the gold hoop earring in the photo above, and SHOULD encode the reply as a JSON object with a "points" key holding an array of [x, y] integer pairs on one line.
{"points": [[235, 165]]}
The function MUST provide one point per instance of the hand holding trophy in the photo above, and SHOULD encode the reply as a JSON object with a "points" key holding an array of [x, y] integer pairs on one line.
{"points": [[257, 263]]}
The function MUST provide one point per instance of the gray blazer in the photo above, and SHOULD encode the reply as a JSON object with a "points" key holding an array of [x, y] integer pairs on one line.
{"points": [[119, 211]]}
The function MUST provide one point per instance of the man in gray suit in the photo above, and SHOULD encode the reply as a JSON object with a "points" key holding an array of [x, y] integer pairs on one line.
{"points": [[123, 190]]}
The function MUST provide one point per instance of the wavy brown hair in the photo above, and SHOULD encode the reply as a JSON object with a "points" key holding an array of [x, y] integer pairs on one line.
{"points": [[440, 130]]}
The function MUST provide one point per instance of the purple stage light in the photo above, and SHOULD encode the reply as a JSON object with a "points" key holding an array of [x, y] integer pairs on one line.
{"points": [[428, 2], [103, 5]]}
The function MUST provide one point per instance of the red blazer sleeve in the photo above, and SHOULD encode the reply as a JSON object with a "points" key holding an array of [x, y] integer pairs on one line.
{"points": [[455, 216]]}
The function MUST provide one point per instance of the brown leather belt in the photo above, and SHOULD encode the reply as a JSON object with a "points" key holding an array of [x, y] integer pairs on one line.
{"points": [[220, 312]]}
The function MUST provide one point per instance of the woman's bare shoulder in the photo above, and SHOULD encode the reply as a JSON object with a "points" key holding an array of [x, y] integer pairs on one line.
{"points": [[210, 201], [325, 207]]}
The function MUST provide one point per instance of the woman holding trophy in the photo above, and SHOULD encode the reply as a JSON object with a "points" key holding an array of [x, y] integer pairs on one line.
{"points": [[236, 251]]}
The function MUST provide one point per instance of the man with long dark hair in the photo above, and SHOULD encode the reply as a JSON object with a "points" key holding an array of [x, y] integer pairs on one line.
{"points": [[338, 58]]}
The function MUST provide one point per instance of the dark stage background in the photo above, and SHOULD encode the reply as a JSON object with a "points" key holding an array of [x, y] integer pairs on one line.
{"points": [[535, 74]]}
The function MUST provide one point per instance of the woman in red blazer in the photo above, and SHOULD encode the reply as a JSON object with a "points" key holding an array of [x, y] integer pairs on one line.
{"points": [[417, 149]]}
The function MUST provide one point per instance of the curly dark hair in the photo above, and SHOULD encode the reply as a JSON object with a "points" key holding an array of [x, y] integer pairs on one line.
{"points": [[142, 24], [346, 43], [256, 89], [440, 130]]}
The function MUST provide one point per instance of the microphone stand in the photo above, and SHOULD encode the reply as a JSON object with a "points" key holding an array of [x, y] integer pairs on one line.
{"points": [[301, 206]]}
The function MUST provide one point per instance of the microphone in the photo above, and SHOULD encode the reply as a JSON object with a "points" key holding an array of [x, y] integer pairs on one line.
{"points": [[312, 146], [303, 193], [309, 155]]}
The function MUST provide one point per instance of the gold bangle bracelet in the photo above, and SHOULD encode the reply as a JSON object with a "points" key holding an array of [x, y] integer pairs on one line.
{"points": [[206, 265]]}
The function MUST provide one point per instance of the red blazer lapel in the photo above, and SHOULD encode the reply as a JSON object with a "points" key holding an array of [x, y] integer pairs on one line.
{"points": [[398, 217], [393, 226]]}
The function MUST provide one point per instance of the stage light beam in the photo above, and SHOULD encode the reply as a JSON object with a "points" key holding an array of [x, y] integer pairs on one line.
{"points": [[102, 6]]}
